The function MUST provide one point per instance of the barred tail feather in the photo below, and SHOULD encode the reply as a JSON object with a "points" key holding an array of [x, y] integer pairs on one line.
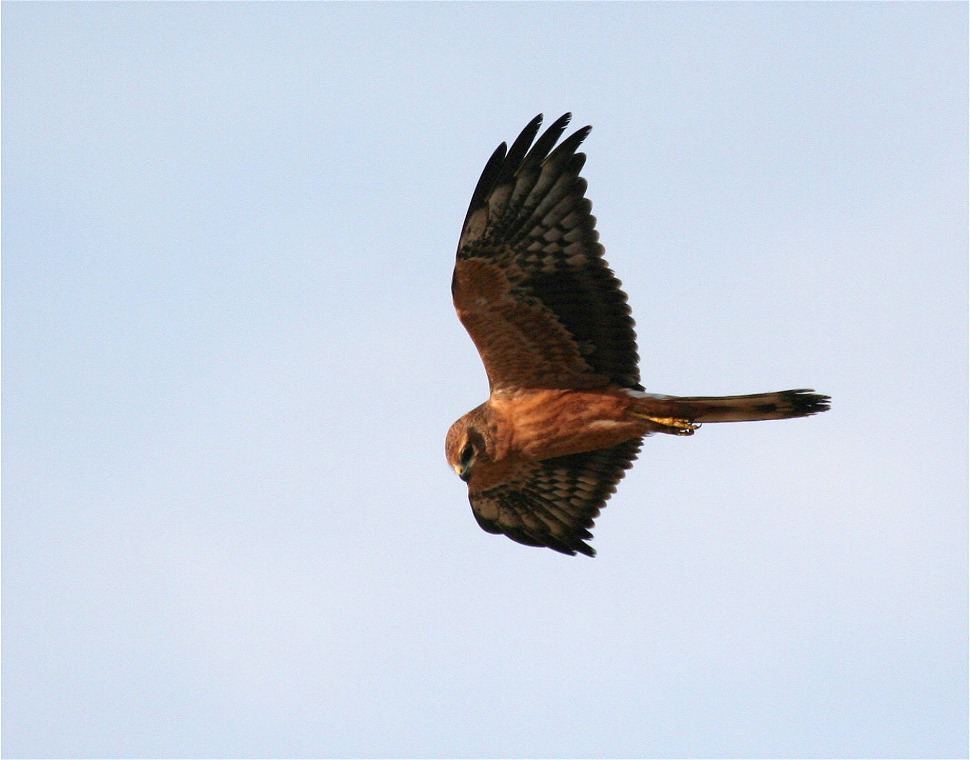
{"points": [[780, 405]]}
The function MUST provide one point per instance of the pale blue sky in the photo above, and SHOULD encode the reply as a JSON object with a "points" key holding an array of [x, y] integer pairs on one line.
{"points": [[230, 359]]}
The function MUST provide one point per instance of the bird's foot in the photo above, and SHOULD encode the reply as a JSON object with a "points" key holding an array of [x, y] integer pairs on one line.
{"points": [[671, 425]]}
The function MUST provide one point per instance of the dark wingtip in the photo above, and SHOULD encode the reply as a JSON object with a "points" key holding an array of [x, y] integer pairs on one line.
{"points": [[487, 180], [571, 549], [506, 160]]}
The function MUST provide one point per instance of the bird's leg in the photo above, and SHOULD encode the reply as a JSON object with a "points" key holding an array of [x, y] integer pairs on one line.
{"points": [[671, 425]]}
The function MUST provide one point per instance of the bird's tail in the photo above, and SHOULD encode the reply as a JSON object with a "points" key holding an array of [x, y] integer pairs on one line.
{"points": [[682, 415]]}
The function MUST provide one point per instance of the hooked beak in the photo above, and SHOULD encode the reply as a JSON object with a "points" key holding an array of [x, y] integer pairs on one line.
{"points": [[463, 472]]}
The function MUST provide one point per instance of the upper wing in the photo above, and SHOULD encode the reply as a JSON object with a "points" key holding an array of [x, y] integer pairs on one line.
{"points": [[530, 282], [554, 502]]}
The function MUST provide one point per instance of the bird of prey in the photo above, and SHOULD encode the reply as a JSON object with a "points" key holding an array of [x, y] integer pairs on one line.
{"points": [[566, 413]]}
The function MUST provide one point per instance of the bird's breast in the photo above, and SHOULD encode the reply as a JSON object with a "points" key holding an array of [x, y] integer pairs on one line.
{"points": [[547, 423]]}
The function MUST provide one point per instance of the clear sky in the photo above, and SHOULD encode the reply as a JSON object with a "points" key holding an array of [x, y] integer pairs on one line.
{"points": [[230, 359]]}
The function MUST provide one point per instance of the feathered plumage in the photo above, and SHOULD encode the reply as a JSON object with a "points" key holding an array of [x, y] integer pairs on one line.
{"points": [[566, 414]]}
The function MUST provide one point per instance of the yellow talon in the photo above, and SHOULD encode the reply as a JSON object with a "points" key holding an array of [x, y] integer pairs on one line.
{"points": [[673, 424]]}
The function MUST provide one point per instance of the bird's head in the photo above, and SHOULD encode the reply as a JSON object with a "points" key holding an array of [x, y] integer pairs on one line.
{"points": [[465, 445]]}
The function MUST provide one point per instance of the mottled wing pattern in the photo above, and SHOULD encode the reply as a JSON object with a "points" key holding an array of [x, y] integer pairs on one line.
{"points": [[554, 502], [530, 282]]}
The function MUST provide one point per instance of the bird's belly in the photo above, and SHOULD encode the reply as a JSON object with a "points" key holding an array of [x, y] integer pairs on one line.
{"points": [[543, 424]]}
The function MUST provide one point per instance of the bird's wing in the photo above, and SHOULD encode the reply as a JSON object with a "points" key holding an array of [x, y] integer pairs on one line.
{"points": [[530, 283], [554, 502]]}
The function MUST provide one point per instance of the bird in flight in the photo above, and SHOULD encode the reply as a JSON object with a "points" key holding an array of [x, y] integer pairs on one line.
{"points": [[566, 413]]}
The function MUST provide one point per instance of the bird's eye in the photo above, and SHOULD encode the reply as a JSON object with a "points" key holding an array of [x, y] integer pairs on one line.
{"points": [[467, 453]]}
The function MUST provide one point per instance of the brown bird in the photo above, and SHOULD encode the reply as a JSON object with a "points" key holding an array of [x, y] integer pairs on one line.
{"points": [[566, 413]]}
